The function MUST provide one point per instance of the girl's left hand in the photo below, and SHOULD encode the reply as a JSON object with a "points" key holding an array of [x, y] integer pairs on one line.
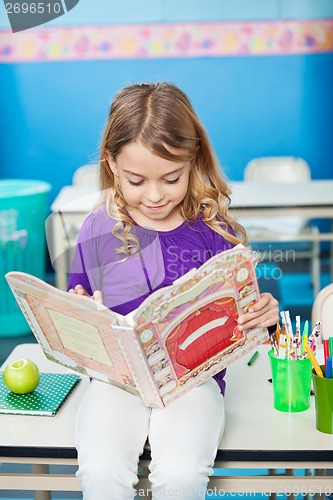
{"points": [[263, 313]]}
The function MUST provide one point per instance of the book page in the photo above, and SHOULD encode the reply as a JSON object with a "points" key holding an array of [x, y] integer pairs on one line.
{"points": [[189, 332], [72, 330], [80, 337], [84, 336]]}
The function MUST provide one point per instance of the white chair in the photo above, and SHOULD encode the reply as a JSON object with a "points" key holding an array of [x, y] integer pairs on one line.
{"points": [[87, 175], [322, 310], [281, 170]]}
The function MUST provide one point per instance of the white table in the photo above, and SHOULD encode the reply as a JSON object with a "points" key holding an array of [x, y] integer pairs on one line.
{"points": [[69, 210], [256, 437], [312, 199], [39, 440]]}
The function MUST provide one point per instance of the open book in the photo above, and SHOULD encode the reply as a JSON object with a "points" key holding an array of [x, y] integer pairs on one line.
{"points": [[178, 338]]}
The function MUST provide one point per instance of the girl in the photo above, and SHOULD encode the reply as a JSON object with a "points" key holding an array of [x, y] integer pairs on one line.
{"points": [[163, 211]]}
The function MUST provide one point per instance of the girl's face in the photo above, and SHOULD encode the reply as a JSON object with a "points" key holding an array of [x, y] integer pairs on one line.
{"points": [[152, 187]]}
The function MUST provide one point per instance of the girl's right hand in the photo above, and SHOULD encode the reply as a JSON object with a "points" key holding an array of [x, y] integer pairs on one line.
{"points": [[79, 290]]}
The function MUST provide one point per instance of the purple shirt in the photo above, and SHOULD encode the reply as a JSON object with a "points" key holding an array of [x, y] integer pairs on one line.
{"points": [[165, 256]]}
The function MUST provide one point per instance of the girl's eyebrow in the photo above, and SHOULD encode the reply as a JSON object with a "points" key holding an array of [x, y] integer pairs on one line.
{"points": [[178, 170]]}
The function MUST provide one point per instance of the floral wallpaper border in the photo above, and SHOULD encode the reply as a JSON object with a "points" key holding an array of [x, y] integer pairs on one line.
{"points": [[167, 40]]}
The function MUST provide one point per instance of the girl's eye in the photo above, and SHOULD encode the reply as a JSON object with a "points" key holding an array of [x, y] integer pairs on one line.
{"points": [[135, 183], [139, 183], [174, 181]]}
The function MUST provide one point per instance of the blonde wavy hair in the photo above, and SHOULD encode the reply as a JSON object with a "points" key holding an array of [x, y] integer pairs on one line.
{"points": [[159, 115]]}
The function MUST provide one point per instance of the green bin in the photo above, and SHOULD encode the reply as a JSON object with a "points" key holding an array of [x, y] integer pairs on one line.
{"points": [[23, 210]]}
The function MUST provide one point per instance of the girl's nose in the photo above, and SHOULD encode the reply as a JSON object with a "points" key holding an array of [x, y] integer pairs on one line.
{"points": [[155, 194]]}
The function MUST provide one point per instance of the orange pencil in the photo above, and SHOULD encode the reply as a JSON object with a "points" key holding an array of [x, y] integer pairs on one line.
{"points": [[314, 362], [277, 333]]}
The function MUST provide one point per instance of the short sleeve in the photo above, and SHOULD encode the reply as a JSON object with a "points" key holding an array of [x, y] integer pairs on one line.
{"points": [[85, 265]]}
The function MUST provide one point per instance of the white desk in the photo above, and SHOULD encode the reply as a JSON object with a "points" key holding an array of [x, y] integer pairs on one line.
{"points": [[69, 210], [39, 440], [256, 437], [307, 200], [313, 199]]}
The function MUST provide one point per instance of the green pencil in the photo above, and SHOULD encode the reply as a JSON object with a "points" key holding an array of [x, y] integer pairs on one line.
{"points": [[251, 360]]}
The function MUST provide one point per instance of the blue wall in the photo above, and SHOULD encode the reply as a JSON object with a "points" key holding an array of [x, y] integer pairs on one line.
{"points": [[52, 114], [150, 11]]}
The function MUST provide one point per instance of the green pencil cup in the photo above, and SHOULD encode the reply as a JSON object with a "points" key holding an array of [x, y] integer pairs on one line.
{"points": [[291, 383], [323, 389]]}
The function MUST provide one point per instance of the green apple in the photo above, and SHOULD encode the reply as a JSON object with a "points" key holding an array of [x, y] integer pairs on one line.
{"points": [[21, 376]]}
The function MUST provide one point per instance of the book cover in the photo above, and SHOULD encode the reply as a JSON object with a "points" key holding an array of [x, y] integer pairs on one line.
{"points": [[179, 337], [45, 400]]}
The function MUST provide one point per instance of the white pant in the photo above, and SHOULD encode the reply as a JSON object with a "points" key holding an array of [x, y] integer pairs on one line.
{"points": [[112, 428]]}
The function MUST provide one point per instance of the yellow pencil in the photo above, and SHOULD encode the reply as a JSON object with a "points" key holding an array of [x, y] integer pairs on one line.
{"points": [[314, 362]]}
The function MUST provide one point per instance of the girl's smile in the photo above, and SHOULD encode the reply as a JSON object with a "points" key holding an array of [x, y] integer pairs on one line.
{"points": [[153, 187], [156, 208]]}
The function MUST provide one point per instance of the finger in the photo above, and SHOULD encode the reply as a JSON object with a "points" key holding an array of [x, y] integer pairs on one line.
{"points": [[263, 302], [266, 315], [267, 303], [265, 320], [97, 295], [80, 290]]}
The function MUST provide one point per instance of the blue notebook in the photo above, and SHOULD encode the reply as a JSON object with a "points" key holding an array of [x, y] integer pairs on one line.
{"points": [[45, 400]]}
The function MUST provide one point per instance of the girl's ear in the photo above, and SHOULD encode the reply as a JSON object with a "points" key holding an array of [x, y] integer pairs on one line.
{"points": [[192, 162], [112, 164]]}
